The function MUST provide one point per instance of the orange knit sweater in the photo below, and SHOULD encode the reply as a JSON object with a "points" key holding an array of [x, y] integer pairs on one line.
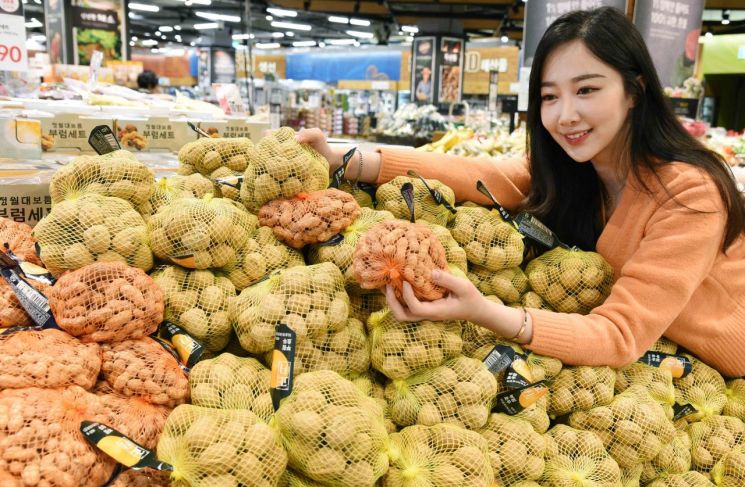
{"points": [[671, 277]]}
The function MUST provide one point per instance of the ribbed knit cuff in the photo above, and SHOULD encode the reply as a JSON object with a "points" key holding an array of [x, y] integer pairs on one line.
{"points": [[719, 351], [394, 162], [553, 334]]}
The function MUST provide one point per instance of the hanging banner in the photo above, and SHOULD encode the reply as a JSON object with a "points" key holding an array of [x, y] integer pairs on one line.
{"points": [[423, 66], [222, 65], [451, 69], [97, 27], [539, 14], [673, 28], [13, 55], [481, 61], [54, 18]]}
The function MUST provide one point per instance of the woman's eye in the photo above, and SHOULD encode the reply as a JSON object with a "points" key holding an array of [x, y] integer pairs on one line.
{"points": [[548, 97], [586, 90]]}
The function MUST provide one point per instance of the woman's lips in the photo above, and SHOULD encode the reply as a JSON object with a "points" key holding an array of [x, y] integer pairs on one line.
{"points": [[577, 137]]}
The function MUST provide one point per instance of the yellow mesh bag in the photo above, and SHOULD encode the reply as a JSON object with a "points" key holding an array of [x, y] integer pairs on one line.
{"points": [[712, 438], [664, 345], [176, 187], [20, 240], [735, 405], [542, 367], [392, 252], [142, 478], [309, 218], [533, 300], [291, 478], [401, 349], [516, 451], [41, 442], [454, 254], [460, 392], [630, 477], [488, 240], [578, 458], [144, 368], [48, 359], [674, 458], [198, 301], [479, 341], [362, 197], [537, 415], [92, 229], [425, 207], [730, 470], [332, 432], [509, 285], [633, 427], [580, 389], [363, 304], [200, 233], [688, 479], [658, 382], [570, 280], [441, 455], [220, 447], [262, 254], [118, 174], [12, 312], [342, 253], [373, 385], [230, 382], [107, 301], [282, 168], [311, 300], [206, 155], [703, 388]]}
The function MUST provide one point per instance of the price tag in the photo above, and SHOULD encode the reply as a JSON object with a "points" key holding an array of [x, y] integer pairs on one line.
{"points": [[13, 56]]}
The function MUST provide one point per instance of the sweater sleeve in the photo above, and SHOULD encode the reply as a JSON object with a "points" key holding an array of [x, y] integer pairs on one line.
{"points": [[508, 179], [676, 253]]}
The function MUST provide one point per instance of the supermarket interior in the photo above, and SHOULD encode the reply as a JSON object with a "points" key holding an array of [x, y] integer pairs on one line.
{"points": [[398, 243]]}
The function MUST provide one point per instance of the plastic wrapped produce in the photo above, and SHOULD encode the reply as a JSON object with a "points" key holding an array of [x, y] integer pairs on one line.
{"points": [[580, 389], [674, 458], [703, 388], [425, 207], [107, 301], [516, 450], [92, 229], [509, 285], [730, 470], [575, 458], [688, 479], [488, 241], [712, 438], [176, 187]]}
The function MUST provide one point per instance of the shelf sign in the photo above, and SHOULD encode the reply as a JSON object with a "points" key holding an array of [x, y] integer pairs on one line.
{"points": [[13, 55]]}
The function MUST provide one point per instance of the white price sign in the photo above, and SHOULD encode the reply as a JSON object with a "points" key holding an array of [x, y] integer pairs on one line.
{"points": [[13, 56]]}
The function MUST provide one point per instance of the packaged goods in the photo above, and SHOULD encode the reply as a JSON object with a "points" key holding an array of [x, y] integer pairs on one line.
{"points": [[396, 251], [92, 229], [509, 285], [220, 447], [575, 457], [206, 155], [47, 359], [488, 240], [19, 238], [309, 218], [332, 432], [425, 207], [658, 382], [688, 479], [454, 254], [311, 300], [230, 382], [107, 301], [176, 187], [200, 233], [363, 304], [730, 470], [198, 301], [516, 450], [117, 174], [712, 438], [735, 405], [282, 168], [439, 456], [580, 389], [674, 458], [460, 392], [262, 254], [144, 368], [571, 280], [401, 349], [703, 388], [633, 427]]}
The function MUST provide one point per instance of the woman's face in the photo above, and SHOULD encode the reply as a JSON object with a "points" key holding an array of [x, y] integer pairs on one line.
{"points": [[584, 105]]}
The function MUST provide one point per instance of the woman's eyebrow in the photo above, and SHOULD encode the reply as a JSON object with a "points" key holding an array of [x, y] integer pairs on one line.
{"points": [[576, 79]]}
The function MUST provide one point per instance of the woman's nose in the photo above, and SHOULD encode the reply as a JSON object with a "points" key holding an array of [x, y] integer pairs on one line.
{"points": [[568, 114]]}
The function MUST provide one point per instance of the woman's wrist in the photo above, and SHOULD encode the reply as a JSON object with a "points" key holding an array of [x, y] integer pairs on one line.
{"points": [[504, 321]]}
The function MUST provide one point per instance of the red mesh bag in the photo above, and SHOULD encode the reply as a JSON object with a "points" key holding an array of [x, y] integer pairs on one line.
{"points": [[142, 478], [48, 359], [19, 239], [309, 218], [144, 368], [13, 314], [107, 301], [395, 251]]}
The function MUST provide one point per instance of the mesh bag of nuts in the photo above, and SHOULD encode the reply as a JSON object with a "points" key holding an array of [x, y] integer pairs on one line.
{"points": [[688, 479], [401, 349], [735, 405], [488, 241], [48, 359], [461, 392], [425, 207], [118, 174], [441, 455], [363, 304], [674, 458], [176, 187], [200, 233], [580, 389], [516, 450], [92, 229], [703, 388], [571, 280], [230, 382], [144, 368], [332, 432], [142, 478], [206, 155], [395, 251], [281, 168], [730, 470], [712, 438], [509, 285], [198, 301], [220, 447], [309, 218], [577, 458], [262, 254], [633, 427], [658, 382], [20, 240], [107, 301]]}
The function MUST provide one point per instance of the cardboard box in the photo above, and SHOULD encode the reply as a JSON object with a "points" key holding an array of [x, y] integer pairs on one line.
{"points": [[153, 134], [24, 191], [20, 138], [235, 127], [68, 131]]}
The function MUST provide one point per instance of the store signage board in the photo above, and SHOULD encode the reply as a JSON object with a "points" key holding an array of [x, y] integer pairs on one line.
{"points": [[451, 70], [480, 61], [57, 45], [673, 28], [423, 67], [97, 29], [13, 55]]}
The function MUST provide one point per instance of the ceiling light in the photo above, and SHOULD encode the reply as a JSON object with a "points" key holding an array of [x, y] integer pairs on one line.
{"points": [[267, 45], [340, 42], [192, 44], [304, 43], [135, 16], [278, 35], [321, 44], [143, 7], [149, 42], [131, 43], [37, 2], [269, 18], [207, 25], [177, 27], [39, 37], [361, 22], [176, 52], [134, 38], [400, 32], [34, 22], [155, 50], [213, 16], [356, 44], [24, 2], [197, 2], [280, 12], [338, 20], [290, 25], [360, 34], [709, 34], [290, 34], [243, 37], [505, 39], [410, 28], [165, 28]]}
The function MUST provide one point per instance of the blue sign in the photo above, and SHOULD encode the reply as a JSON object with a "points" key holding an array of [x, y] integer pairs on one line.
{"points": [[335, 66]]}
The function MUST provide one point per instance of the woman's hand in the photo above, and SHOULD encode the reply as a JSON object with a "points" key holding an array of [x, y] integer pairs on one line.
{"points": [[317, 139]]}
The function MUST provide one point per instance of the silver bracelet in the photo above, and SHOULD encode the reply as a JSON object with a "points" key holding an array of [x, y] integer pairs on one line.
{"points": [[359, 174]]}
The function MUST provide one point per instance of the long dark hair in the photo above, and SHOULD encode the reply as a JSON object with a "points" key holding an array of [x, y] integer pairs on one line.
{"points": [[569, 197]]}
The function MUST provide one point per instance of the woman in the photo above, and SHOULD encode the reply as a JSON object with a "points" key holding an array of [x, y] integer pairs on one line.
{"points": [[611, 169]]}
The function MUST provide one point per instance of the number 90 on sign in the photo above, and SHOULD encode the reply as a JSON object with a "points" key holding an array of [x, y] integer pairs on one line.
{"points": [[13, 53]]}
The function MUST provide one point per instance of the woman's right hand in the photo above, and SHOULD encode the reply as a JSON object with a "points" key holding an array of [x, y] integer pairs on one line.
{"points": [[317, 139]]}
